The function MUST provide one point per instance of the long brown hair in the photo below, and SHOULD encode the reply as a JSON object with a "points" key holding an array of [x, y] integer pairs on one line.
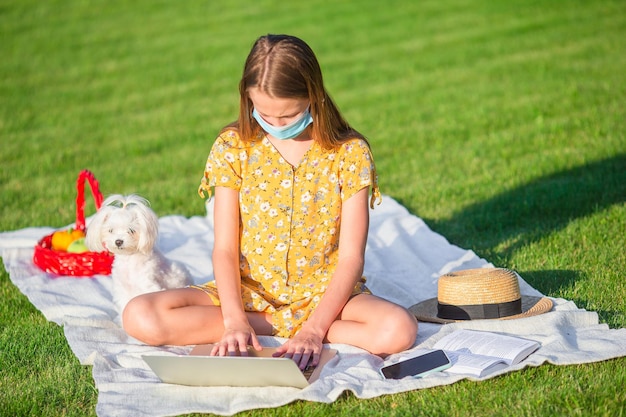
{"points": [[284, 66]]}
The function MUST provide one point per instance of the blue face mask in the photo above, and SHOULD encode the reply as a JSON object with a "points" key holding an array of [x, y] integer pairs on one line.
{"points": [[289, 131]]}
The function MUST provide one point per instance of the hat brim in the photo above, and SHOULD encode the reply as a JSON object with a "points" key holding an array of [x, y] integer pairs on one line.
{"points": [[531, 306]]}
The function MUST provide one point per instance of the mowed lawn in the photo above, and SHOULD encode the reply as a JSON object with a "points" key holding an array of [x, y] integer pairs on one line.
{"points": [[501, 124]]}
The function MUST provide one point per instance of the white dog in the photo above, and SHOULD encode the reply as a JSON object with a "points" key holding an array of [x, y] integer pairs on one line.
{"points": [[128, 228]]}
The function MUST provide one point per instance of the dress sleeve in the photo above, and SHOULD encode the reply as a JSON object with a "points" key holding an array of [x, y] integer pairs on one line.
{"points": [[357, 170], [223, 166]]}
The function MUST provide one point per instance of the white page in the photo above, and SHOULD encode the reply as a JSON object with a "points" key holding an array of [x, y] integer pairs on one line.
{"points": [[487, 344], [476, 365]]}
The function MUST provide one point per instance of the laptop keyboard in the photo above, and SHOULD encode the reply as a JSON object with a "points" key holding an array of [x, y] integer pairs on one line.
{"points": [[308, 371]]}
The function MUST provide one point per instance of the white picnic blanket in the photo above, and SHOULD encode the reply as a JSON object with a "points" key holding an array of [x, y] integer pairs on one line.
{"points": [[403, 261]]}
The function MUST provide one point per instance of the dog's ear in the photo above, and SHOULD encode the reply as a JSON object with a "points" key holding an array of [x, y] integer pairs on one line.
{"points": [[93, 238], [149, 227]]}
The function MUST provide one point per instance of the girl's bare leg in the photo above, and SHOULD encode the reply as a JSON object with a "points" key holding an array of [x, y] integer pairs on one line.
{"points": [[184, 316], [374, 324]]}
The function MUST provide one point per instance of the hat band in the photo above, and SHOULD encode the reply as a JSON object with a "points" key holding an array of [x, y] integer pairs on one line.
{"points": [[479, 311]]}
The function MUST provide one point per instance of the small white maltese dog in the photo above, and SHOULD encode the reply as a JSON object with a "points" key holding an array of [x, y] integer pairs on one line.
{"points": [[128, 228]]}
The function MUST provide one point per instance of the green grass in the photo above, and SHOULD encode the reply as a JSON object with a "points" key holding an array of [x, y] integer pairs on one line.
{"points": [[502, 124]]}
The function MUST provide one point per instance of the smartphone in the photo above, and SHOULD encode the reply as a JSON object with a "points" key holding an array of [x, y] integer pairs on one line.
{"points": [[418, 366]]}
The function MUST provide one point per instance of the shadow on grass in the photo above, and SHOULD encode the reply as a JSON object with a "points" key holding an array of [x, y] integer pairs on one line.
{"points": [[498, 227], [552, 281]]}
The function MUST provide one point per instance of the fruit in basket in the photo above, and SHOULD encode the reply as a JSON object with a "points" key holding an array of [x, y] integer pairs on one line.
{"points": [[78, 246], [62, 239]]}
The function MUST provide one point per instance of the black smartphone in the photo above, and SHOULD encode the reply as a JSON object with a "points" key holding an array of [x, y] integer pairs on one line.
{"points": [[418, 366]]}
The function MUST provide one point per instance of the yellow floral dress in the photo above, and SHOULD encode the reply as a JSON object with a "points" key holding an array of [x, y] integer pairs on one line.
{"points": [[290, 218]]}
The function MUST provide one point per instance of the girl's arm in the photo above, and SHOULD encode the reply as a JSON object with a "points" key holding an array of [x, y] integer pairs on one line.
{"points": [[352, 240], [237, 330]]}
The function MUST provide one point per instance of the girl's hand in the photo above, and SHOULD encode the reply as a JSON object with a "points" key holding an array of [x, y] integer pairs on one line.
{"points": [[235, 341], [305, 349]]}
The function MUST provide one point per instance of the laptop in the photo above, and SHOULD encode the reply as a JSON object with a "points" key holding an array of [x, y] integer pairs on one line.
{"points": [[258, 369]]}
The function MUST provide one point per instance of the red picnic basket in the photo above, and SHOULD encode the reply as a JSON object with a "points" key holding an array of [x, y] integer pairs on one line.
{"points": [[82, 264]]}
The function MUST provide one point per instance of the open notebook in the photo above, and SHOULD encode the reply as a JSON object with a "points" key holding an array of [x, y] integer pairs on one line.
{"points": [[258, 369]]}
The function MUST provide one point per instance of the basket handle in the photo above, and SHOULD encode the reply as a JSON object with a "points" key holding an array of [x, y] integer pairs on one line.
{"points": [[80, 196]]}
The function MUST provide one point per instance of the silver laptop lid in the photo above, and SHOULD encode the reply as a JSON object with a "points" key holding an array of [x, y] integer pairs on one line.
{"points": [[236, 371]]}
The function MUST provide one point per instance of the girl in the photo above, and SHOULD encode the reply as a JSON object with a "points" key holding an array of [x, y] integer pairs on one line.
{"points": [[291, 181]]}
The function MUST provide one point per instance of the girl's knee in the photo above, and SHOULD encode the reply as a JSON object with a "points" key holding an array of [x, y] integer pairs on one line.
{"points": [[139, 320], [399, 331], [406, 328]]}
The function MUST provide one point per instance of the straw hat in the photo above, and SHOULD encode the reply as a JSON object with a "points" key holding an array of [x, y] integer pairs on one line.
{"points": [[482, 293]]}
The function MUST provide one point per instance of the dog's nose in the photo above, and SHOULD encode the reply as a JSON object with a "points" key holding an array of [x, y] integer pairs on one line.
{"points": [[119, 243]]}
